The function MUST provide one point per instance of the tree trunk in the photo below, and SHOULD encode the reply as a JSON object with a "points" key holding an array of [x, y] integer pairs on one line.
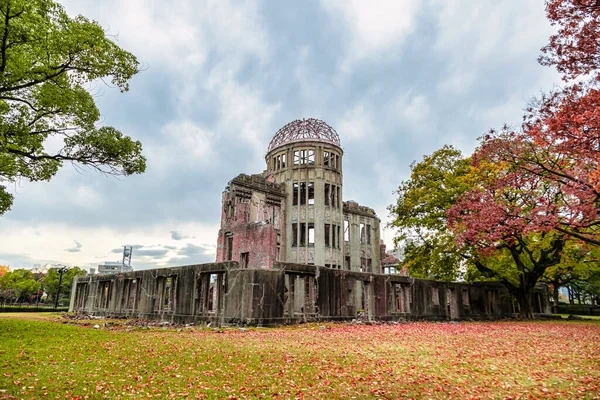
{"points": [[525, 299], [555, 298], [570, 293]]}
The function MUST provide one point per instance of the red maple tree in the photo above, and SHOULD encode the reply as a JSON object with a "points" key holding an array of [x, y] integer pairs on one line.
{"points": [[558, 143], [573, 49], [546, 181]]}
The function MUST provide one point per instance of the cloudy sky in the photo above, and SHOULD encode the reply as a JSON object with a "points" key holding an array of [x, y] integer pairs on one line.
{"points": [[396, 79]]}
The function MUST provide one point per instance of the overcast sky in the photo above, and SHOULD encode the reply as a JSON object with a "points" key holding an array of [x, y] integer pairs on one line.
{"points": [[396, 79]]}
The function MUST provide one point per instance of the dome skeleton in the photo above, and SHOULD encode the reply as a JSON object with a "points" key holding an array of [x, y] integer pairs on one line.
{"points": [[310, 129]]}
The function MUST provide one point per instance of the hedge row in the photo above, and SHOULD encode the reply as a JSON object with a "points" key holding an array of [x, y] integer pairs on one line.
{"points": [[578, 309], [33, 309]]}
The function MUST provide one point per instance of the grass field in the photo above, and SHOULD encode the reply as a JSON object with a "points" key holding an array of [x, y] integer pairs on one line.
{"points": [[43, 358]]}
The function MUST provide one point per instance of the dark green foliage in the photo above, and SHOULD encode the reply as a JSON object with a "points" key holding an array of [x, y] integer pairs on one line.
{"points": [[52, 277], [18, 284], [47, 60]]}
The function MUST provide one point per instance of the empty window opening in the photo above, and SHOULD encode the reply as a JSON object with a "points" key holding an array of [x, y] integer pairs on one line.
{"points": [[302, 193], [104, 293], [368, 234], [129, 294], [332, 160], [244, 259], [363, 264], [283, 158], [339, 231], [229, 209], [294, 235], [327, 240], [199, 293], [337, 197], [326, 158], [213, 293], [332, 200], [435, 296], [337, 161], [346, 231], [400, 298], [311, 234], [362, 234], [297, 157], [295, 194], [167, 300], [81, 295], [303, 157], [311, 157], [327, 195], [302, 234], [311, 193], [229, 246], [333, 237], [347, 263], [369, 265]]}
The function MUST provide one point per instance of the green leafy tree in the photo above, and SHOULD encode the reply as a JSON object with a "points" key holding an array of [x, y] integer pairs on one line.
{"points": [[578, 266], [434, 186], [591, 286], [52, 278], [18, 284], [47, 59]]}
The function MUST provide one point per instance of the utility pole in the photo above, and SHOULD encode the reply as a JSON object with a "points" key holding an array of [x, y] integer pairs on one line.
{"points": [[61, 271]]}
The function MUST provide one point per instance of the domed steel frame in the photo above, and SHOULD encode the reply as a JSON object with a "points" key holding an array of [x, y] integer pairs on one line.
{"points": [[302, 130]]}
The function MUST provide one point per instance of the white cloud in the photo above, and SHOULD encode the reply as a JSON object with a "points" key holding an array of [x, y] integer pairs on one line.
{"points": [[243, 114], [374, 26], [179, 36], [356, 124], [471, 35], [413, 112], [87, 197]]}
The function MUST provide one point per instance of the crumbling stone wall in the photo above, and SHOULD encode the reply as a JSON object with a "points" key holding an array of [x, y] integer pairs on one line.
{"points": [[361, 241], [252, 218], [224, 293]]}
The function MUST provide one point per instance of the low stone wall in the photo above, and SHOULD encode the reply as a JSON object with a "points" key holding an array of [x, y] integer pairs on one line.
{"points": [[224, 293]]}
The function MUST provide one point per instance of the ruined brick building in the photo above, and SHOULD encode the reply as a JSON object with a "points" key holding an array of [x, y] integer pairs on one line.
{"points": [[294, 211], [290, 249]]}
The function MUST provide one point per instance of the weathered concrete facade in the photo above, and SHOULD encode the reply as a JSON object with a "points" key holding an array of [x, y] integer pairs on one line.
{"points": [[313, 224], [225, 293]]}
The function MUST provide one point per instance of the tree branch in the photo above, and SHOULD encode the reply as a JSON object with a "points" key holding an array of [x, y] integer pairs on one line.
{"points": [[4, 39], [10, 98], [578, 236]]}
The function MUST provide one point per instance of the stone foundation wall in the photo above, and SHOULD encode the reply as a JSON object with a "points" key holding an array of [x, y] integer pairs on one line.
{"points": [[224, 293]]}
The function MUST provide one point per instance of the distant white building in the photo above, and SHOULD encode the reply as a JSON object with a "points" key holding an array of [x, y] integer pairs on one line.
{"points": [[113, 267]]}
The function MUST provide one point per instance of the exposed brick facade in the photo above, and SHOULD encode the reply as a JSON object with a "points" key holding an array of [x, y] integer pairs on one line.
{"points": [[252, 218]]}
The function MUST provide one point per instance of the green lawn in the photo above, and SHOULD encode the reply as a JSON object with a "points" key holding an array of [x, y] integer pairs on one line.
{"points": [[40, 357]]}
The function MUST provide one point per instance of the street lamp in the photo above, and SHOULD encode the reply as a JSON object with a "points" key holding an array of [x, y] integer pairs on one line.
{"points": [[60, 271]]}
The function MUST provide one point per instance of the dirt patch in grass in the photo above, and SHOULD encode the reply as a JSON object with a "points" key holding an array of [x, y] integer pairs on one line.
{"points": [[556, 359]]}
